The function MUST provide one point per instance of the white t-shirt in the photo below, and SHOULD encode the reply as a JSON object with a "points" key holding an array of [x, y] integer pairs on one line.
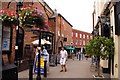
{"points": [[63, 53]]}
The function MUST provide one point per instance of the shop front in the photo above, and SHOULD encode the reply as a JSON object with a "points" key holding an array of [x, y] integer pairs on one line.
{"points": [[0, 50], [6, 44]]}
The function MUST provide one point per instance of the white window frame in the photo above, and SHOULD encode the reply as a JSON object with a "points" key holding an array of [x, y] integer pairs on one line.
{"points": [[76, 34], [80, 35]]}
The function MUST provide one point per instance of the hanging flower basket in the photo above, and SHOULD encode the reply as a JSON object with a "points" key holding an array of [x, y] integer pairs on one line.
{"points": [[30, 16], [8, 18]]}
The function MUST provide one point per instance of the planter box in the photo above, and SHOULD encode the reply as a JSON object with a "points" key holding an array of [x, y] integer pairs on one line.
{"points": [[98, 77]]}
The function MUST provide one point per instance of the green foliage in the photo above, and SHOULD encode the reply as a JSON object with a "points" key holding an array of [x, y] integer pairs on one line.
{"points": [[100, 47]]}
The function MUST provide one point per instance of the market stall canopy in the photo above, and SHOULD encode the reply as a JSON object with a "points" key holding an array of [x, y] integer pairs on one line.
{"points": [[36, 42], [43, 41], [71, 48]]}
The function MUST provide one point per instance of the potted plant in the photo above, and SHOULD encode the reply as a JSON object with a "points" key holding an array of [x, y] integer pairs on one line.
{"points": [[101, 48]]}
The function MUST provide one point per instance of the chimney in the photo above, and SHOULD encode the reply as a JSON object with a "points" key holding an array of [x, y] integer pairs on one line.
{"points": [[55, 12]]}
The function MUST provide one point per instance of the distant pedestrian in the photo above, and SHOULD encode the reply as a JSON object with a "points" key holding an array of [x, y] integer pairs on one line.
{"points": [[36, 61], [79, 55], [73, 54], [86, 55], [63, 59]]}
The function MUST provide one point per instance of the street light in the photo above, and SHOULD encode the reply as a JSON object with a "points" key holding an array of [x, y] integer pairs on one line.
{"points": [[105, 22]]}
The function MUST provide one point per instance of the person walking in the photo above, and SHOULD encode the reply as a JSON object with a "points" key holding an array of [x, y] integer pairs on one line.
{"points": [[45, 52], [79, 55], [63, 59], [73, 54], [36, 61]]}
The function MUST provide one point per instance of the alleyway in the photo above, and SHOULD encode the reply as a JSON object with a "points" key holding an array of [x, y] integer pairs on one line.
{"points": [[75, 69]]}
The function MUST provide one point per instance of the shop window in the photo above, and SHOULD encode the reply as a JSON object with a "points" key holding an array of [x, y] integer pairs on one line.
{"points": [[6, 38]]}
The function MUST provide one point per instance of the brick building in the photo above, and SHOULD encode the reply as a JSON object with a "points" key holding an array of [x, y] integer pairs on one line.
{"points": [[63, 32], [58, 33], [25, 37], [80, 38]]}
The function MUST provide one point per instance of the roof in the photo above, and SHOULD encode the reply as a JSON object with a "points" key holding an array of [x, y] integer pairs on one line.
{"points": [[65, 19], [81, 31]]}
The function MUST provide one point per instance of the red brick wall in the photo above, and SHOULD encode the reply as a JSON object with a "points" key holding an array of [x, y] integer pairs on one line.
{"points": [[63, 28], [66, 30], [74, 31]]}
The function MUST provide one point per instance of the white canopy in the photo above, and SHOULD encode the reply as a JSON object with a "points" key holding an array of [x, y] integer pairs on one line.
{"points": [[47, 42], [43, 41], [37, 42]]}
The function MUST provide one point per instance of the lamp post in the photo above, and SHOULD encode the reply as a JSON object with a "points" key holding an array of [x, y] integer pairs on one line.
{"points": [[19, 5], [39, 56]]}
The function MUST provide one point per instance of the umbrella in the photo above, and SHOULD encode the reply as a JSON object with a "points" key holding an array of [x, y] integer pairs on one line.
{"points": [[70, 48], [37, 42]]}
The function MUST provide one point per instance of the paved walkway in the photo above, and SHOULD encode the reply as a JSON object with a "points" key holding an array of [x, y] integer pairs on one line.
{"points": [[75, 69]]}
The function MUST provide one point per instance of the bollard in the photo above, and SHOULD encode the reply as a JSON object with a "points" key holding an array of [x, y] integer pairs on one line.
{"points": [[45, 68], [56, 60], [30, 69]]}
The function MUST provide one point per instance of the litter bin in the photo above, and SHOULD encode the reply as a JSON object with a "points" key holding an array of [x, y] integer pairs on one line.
{"points": [[9, 72]]}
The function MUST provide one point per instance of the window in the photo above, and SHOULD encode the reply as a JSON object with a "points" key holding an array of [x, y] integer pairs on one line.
{"points": [[80, 42], [87, 36], [76, 34], [83, 35], [80, 35], [83, 42], [76, 42]]}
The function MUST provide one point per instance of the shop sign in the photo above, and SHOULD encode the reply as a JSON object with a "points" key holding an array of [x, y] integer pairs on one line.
{"points": [[6, 38]]}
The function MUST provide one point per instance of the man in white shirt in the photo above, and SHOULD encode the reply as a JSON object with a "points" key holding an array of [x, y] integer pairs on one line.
{"points": [[63, 58]]}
